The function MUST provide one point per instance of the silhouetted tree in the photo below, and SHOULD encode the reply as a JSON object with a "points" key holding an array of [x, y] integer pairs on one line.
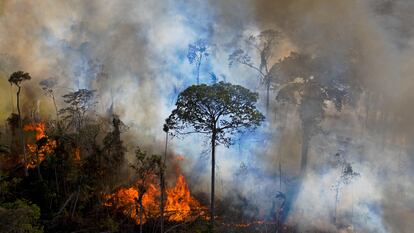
{"points": [[219, 111], [13, 125], [263, 44], [115, 149], [162, 178], [79, 102], [48, 87], [309, 82], [196, 53], [347, 175], [17, 78]]}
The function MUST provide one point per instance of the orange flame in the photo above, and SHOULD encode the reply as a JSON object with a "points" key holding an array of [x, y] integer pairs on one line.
{"points": [[34, 151], [179, 205], [39, 128], [77, 154]]}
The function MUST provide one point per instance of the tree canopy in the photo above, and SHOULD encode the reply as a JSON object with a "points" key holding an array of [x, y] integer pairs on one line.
{"points": [[18, 77], [222, 108], [195, 54]]}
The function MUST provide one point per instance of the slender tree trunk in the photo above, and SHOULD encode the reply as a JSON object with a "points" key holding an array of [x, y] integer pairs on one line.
{"points": [[162, 202], [267, 95], [56, 111], [162, 178], [38, 165], [26, 172], [56, 181], [291, 199], [304, 154], [141, 208], [213, 165], [76, 202], [280, 176], [198, 71], [280, 209], [336, 205]]}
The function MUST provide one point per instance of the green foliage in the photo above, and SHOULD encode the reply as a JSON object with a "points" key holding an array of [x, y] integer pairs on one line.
{"points": [[20, 217], [4, 149], [145, 166], [113, 144], [7, 185], [221, 108]]}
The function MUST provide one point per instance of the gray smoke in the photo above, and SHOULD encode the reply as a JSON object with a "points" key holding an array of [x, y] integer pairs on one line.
{"points": [[134, 54]]}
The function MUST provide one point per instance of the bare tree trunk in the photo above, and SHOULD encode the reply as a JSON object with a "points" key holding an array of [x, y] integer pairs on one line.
{"points": [[76, 201], [336, 205], [280, 208], [198, 71], [26, 172], [162, 178], [213, 164], [141, 208], [267, 95], [294, 193], [280, 176], [57, 184], [38, 165], [57, 111], [304, 154]]}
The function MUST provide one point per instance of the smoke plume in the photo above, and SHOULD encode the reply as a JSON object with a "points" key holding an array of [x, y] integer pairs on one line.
{"points": [[134, 54]]}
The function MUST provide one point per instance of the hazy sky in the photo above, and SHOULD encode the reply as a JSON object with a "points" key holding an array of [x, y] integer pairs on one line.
{"points": [[142, 47]]}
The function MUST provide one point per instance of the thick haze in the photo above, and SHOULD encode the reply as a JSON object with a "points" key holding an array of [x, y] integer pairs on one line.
{"points": [[142, 46]]}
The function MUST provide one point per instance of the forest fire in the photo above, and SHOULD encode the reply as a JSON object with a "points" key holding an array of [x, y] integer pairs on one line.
{"points": [[206, 116], [179, 205], [42, 146]]}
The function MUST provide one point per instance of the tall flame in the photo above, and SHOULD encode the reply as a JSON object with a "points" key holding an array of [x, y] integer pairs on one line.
{"points": [[179, 205], [38, 151]]}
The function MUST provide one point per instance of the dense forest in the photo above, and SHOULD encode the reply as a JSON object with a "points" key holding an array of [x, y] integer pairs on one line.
{"points": [[206, 116]]}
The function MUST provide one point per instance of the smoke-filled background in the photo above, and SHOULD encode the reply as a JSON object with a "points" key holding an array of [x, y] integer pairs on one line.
{"points": [[141, 48]]}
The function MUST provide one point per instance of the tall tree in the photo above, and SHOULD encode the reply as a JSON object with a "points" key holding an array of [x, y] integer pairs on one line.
{"points": [[347, 176], [263, 46], [17, 78], [48, 87], [218, 111], [310, 82], [146, 167], [162, 178], [196, 53], [79, 102], [114, 151]]}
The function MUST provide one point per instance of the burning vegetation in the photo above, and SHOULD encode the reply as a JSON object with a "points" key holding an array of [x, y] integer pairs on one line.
{"points": [[283, 110], [42, 145], [179, 204]]}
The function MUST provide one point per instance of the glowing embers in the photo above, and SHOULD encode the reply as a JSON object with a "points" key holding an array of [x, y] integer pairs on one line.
{"points": [[42, 146], [179, 205], [77, 156]]}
